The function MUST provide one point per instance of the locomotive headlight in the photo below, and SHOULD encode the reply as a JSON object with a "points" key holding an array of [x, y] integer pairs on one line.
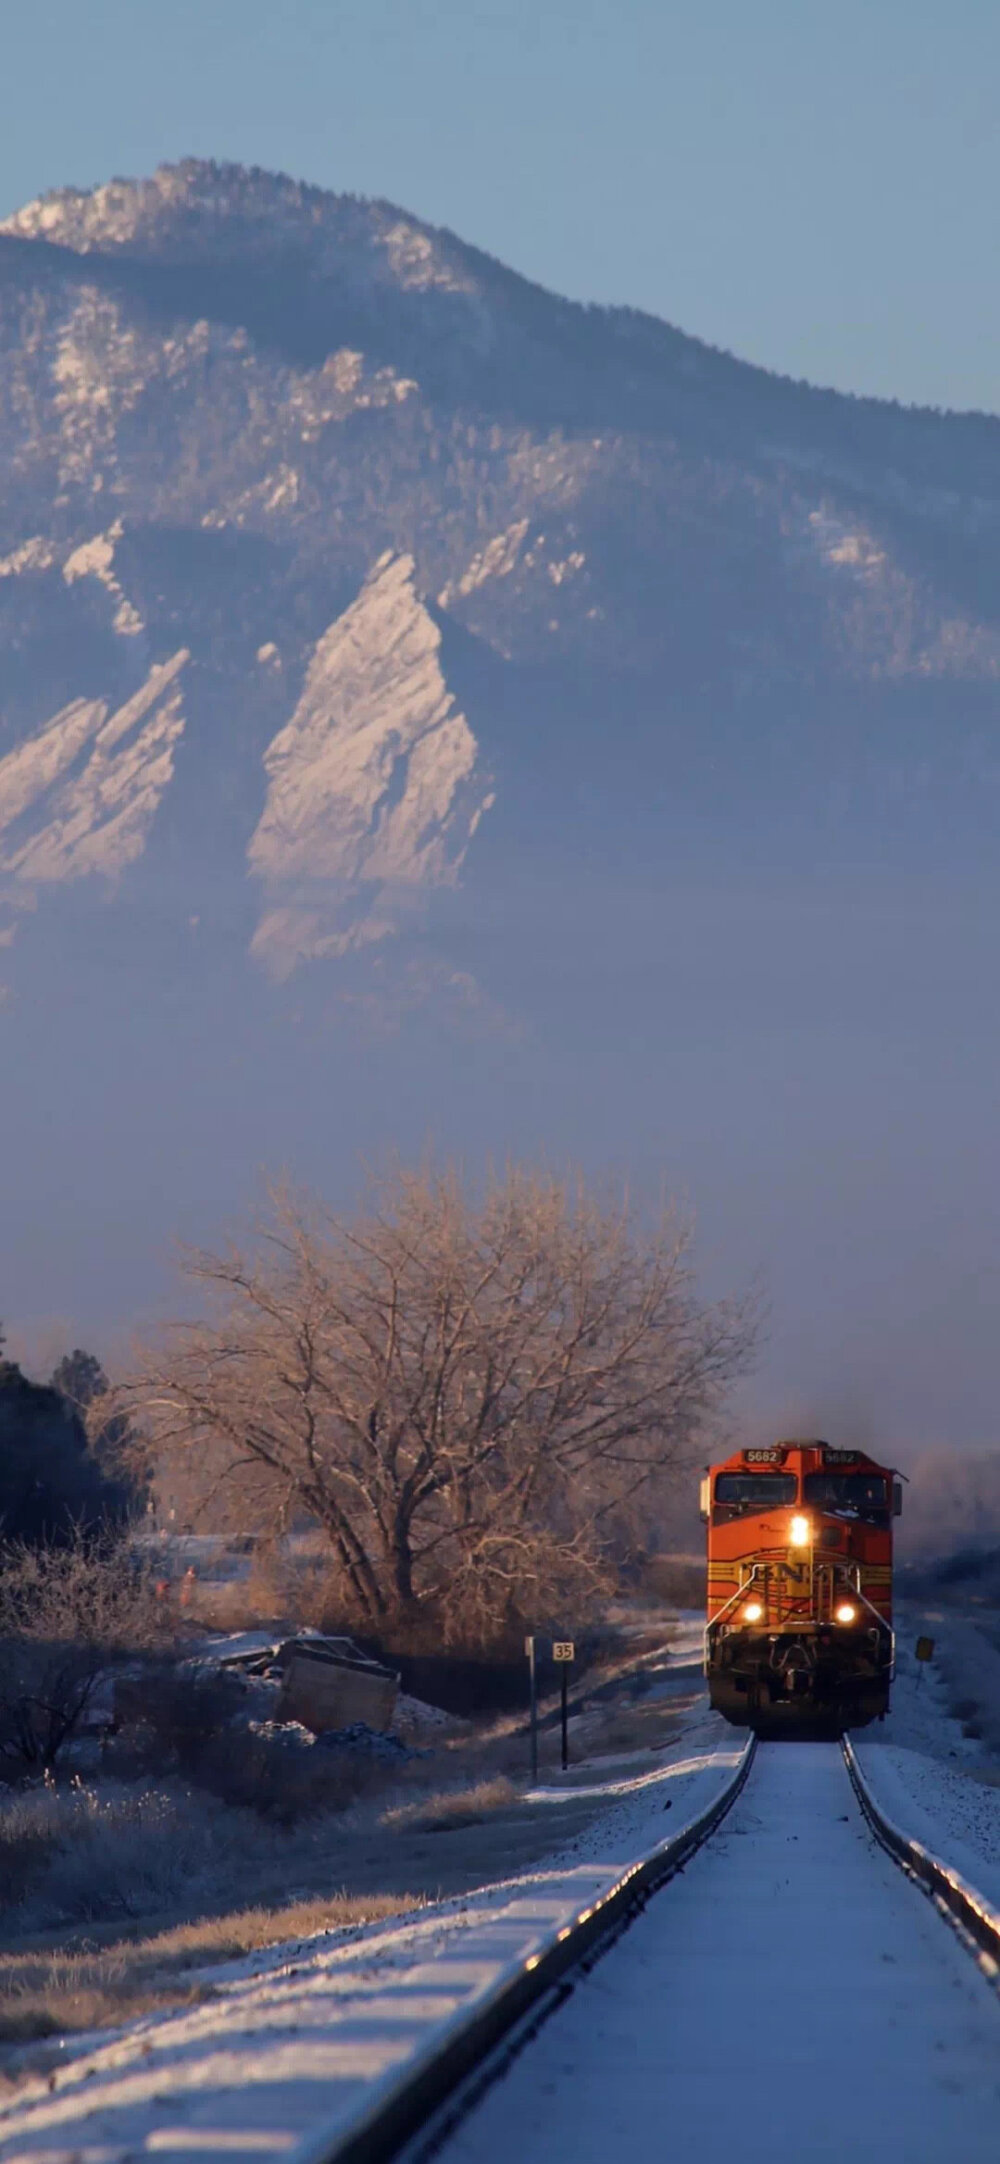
{"points": [[800, 1532], [752, 1612], [846, 1613]]}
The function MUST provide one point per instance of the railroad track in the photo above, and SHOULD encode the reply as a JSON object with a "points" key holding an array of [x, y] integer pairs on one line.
{"points": [[789, 1989]]}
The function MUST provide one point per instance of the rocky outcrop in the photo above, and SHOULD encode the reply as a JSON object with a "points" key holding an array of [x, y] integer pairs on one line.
{"points": [[79, 796], [225, 397], [374, 786]]}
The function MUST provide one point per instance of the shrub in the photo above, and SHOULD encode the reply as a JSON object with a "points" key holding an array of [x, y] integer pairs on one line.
{"points": [[282, 1774], [187, 1722], [183, 1711], [66, 1615], [453, 1808], [82, 1853]]}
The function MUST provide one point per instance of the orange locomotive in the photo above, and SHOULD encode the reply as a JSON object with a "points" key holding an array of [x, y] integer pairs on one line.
{"points": [[799, 1629]]}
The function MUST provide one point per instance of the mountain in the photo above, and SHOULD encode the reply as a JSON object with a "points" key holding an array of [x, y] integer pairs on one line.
{"points": [[389, 642]]}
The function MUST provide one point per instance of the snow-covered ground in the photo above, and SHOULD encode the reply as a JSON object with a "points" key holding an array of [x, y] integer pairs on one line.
{"points": [[936, 1783], [834, 1983], [299, 2036], [789, 1994]]}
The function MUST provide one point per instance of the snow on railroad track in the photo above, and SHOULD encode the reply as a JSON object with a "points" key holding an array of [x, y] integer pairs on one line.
{"points": [[790, 1994], [305, 2035]]}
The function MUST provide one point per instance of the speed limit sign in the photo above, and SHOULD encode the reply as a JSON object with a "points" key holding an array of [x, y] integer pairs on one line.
{"points": [[564, 1650]]}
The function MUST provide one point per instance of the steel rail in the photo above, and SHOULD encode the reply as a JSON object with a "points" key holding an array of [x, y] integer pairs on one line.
{"points": [[436, 2072], [967, 1910]]}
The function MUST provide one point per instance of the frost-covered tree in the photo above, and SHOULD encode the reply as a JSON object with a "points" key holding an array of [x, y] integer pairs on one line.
{"points": [[477, 1398]]}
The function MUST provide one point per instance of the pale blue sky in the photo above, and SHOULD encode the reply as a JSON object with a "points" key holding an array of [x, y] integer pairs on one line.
{"points": [[813, 186]]}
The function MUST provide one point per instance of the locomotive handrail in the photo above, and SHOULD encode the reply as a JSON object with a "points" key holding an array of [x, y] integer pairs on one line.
{"points": [[850, 1573], [712, 1622], [407, 2102], [742, 1588], [883, 1624], [963, 1905]]}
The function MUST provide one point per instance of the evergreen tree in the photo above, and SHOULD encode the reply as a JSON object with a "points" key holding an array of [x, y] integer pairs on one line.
{"points": [[80, 1378], [52, 1486]]}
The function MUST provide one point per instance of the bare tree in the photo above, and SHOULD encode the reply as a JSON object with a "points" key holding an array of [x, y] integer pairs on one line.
{"points": [[67, 1614], [468, 1395]]}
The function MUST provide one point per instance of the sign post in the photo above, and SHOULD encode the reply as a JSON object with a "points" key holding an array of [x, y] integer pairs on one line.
{"points": [[564, 1651], [925, 1653], [529, 1647]]}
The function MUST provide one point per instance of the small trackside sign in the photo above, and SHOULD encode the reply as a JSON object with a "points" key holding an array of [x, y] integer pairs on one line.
{"points": [[925, 1649], [564, 1650]]}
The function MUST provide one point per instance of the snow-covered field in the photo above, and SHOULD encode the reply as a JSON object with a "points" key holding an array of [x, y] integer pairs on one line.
{"points": [[298, 2036], [835, 1985], [937, 1784]]}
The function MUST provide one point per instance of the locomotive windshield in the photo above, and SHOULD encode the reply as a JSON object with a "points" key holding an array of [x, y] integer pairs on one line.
{"points": [[849, 1495], [738, 1495]]}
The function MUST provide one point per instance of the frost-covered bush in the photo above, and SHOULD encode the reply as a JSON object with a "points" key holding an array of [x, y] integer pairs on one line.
{"points": [[183, 1708], [83, 1853], [68, 1617], [279, 1770]]}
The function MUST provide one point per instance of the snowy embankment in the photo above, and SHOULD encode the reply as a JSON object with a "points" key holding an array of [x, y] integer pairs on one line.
{"points": [[936, 1783], [300, 2037]]}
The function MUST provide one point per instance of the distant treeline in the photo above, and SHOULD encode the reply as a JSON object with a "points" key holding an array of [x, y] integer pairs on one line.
{"points": [[60, 1469]]}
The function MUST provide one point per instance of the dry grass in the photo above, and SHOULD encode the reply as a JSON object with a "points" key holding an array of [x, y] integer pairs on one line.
{"points": [[87, 1854], [453, 1808], [387, 1862], [267, 1593], [45, 1993], [114, 1895], [639, 1727], [280, 1588]]}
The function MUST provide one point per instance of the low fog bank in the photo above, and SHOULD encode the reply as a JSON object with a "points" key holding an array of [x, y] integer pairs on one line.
{"points": [[806, 1054], [951, 1511]]}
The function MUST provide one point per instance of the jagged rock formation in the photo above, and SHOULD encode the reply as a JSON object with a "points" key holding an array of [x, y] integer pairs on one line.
{"points": [[79, 796], [373, 791], [225, 397], [320, 533], [402, 531]]}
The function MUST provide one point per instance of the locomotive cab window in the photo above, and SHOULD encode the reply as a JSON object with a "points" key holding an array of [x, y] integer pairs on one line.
{"points": [[742, 1495], [849, 1495]]}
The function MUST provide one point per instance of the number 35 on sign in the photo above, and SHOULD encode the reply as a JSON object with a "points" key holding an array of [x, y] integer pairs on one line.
{"points": [[564, 1650]]}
